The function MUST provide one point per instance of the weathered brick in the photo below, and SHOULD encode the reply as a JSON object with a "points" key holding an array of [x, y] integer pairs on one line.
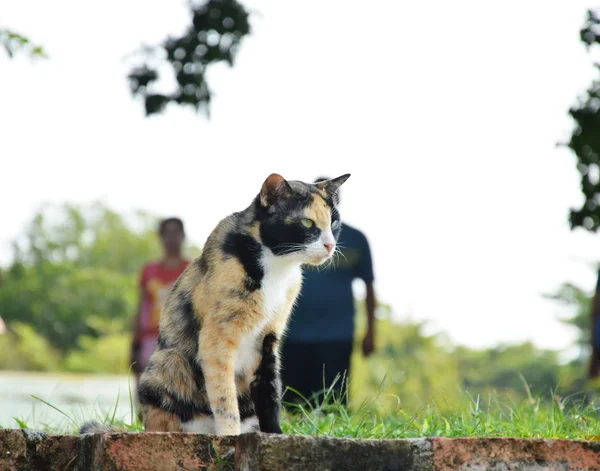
{"points": [[33, 450], [13, 450], [266, 452], [157, 451], [55, 453], [511, 454]]}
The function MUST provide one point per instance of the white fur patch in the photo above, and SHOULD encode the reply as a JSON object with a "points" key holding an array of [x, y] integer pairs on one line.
{"points": [[281, 275], [317, 248], [247, 353], [204, 425], [250, 425]]}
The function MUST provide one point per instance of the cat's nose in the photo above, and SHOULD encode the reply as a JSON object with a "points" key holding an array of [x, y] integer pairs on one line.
{"points": [[329, 247]]}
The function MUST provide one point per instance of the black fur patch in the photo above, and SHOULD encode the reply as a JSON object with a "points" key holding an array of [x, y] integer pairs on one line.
{"points": [[246, 407], [248, 251], [185, 410], [184, 322], [268, 343], [239, 294], [184, 332], [202, 264], [186, 305], [162, 343], [198, 374], [283, 238], [266, 392]]}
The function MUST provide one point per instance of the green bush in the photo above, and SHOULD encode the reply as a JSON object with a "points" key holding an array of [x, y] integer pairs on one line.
{"points": [[27, 350]]}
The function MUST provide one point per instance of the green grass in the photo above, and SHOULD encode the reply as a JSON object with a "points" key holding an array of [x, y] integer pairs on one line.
{"points": [[532, 418], [527, 420]]}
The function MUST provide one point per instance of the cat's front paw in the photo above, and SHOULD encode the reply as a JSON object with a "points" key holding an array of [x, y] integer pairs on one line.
{"points": [[228, 428]]}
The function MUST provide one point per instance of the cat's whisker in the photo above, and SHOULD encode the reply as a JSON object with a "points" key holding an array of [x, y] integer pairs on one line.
{"points": [[340, 253], [285, 248], [330, 263]]}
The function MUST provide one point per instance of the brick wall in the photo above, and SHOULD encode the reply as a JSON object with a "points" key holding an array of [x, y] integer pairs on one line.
{"points": [[32, 450]]}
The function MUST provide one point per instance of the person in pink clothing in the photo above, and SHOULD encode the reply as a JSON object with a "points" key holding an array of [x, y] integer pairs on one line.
{"points": [[155, 283]]}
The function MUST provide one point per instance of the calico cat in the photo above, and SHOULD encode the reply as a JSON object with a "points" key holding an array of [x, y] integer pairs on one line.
{"points": [[215, 369]]}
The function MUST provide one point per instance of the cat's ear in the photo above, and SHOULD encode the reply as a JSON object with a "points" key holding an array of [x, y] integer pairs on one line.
{"points": [[274, 188], [332, 185]]}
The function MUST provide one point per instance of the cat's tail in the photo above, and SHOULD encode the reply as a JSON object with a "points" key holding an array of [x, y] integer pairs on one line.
{"points": [[94, 427]]}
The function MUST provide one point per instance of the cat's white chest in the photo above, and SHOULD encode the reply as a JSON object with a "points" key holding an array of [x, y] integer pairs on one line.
{"points": [[277, 282], [279, 278]]}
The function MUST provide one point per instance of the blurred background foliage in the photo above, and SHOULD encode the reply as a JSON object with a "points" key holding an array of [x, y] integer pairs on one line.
{"points": [[213, 35], [585, 139], [14, 43], [70, 292]]}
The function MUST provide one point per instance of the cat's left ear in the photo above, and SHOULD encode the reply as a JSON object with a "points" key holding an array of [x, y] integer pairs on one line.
{"points": [[331, 186], [274, 188]]}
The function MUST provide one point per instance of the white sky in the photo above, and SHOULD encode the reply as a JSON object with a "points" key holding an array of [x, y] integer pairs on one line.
{"points": [[445, 113]]}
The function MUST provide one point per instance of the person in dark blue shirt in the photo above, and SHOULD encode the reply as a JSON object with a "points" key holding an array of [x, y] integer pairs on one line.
{"points": [[320, 335]]}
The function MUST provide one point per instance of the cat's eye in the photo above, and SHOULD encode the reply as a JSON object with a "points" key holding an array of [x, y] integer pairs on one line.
{"points": [[335, 224], [307, 223]]}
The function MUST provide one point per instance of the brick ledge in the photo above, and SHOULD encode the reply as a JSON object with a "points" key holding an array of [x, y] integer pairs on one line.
{"points": [[33, 450]]}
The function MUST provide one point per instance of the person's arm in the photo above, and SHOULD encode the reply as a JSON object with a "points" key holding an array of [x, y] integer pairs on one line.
{"points": [[369, 341], [365, 272]]}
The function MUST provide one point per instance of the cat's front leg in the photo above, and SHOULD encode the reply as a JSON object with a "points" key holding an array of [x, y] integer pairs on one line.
{"points": [[266, 392], [217, 357]]}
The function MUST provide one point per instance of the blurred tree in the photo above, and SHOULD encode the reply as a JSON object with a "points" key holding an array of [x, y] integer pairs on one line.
{"points": [[214, 35], [13, 42], [579, 302], [511, 368], [585, 139], [78, 275], [410, 369]]}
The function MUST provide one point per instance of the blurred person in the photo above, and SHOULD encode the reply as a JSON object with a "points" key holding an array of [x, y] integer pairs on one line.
{"points": [[156, 281], [320, 336]]}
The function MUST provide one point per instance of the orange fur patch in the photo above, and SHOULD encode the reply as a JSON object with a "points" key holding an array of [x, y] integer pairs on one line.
{"points": [[319, 212], [157, 420]]}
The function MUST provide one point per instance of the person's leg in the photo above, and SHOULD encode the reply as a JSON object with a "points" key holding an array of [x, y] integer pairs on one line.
{"points": [[294, 371], [335, 360], [594, 368], [147, 347]]}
